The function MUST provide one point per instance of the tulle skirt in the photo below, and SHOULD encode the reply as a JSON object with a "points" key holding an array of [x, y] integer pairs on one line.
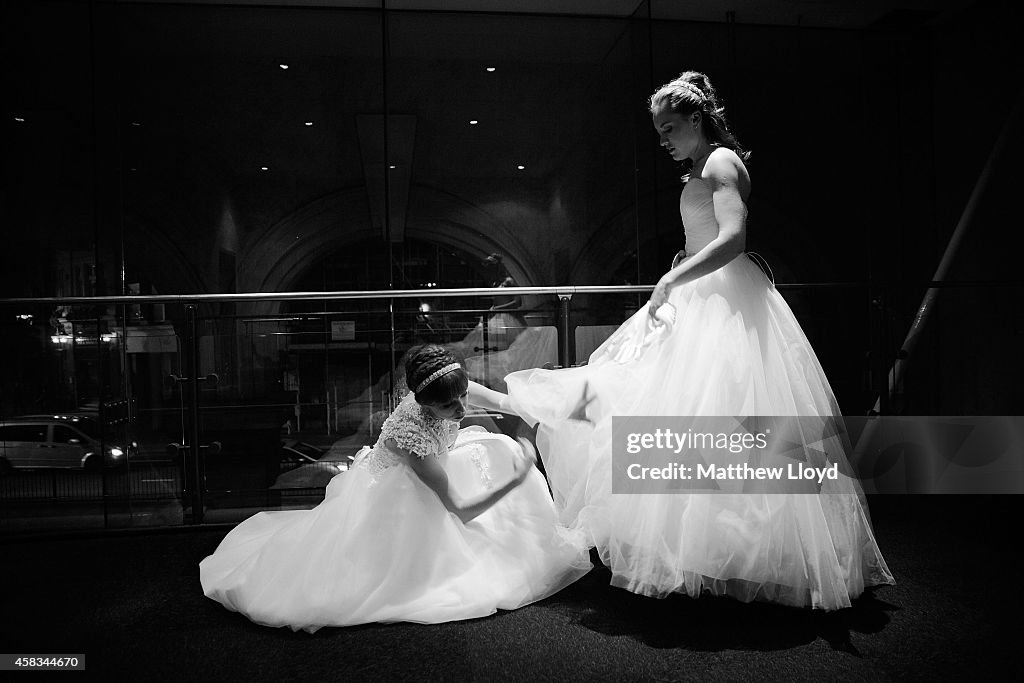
{"points": [[381, 547], [735, 349]]}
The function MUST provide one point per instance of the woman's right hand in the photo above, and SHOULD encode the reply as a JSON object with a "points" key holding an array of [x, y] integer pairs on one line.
{"points": [[659, 297]]}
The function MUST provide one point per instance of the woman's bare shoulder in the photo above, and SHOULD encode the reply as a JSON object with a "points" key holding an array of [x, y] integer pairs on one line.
{"points": [[724, 167], [725, 160]]}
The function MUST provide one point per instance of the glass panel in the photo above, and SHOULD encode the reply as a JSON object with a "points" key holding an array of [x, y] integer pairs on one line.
{"points": [[74, 384], [303, 393], [315, 383]]}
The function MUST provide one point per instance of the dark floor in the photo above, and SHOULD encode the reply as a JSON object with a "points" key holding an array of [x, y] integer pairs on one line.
{"points": [[132, 603]]}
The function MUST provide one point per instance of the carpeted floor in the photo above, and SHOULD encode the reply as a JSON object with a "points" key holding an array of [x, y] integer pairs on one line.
{"points": [[132, 604]]}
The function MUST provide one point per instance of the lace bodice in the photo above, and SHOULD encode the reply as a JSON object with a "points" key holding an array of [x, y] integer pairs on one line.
{"points": [[697, 209], [413, 429]]}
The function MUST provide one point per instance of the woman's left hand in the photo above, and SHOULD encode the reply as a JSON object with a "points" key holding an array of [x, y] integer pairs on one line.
{"points": [[659, 297]]}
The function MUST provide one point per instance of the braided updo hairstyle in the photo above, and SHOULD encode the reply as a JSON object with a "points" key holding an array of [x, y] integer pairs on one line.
{"points": [[421, 362], [692, 91]]}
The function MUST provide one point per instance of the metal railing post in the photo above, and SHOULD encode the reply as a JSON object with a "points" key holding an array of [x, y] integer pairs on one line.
{"points": [[192, 373], [565, 354]]}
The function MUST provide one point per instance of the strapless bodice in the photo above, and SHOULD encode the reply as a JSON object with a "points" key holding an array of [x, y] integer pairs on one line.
{"points": [[697, 209]]}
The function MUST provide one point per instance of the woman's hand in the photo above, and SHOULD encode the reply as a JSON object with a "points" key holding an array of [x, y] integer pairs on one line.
{"points": [[659, 297], [679, 258], [524, 461]]}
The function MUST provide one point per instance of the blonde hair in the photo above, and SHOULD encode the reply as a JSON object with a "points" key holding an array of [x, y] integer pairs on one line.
{"points": [[689, 92]]}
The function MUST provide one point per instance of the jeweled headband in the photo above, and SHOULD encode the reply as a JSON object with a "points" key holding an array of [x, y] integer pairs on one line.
{"points": [[435, 374], [692, 88]]}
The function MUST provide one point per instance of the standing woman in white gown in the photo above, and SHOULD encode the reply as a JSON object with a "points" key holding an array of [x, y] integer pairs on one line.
{"points": [[716, 339], [433, 524]]}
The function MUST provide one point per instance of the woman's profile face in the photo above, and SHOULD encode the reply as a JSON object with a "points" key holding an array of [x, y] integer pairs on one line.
{"points": [[454, 409], [676, 133]]}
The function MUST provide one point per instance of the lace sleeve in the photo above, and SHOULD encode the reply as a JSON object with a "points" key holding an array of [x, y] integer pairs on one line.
{"points": [[409, 434]]}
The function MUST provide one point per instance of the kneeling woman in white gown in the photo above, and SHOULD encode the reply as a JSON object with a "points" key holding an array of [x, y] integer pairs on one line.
{"points": [[734, 348], [432, 524]]}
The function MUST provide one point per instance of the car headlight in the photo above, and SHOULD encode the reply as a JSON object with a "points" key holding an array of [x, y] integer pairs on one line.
{"points": [[116, 452]]}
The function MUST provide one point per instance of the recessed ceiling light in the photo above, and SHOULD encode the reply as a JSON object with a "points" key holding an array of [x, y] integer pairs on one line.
{"points": [[309, 123], [392, 166], [264, 168], [283, 66], [490, 68], [473, 122], [521, 167], [19, 119], [136, 124]]}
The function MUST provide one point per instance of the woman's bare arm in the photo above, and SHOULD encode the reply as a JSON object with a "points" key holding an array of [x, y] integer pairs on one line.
{"points": [[489, 399], [433, 475]]}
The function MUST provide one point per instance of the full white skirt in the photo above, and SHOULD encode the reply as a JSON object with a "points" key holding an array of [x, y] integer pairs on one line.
{"points": [[381, 548], [736, 349]]}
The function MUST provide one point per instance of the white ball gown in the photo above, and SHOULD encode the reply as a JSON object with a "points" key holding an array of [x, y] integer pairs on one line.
{"points": [[735, 349], [381, 547]]}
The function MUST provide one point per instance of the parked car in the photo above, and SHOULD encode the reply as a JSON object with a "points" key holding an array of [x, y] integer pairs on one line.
{"points": [[295, 453], [57, 442]]}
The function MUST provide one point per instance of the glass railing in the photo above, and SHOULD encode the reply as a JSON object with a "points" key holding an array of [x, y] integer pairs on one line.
{"points": [[182, 410]]}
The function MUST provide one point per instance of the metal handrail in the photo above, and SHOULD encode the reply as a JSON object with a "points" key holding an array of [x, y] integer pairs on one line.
{"points": [[444, 293], [343, 294]]}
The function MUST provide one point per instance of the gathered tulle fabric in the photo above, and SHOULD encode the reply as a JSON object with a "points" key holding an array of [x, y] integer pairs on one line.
{"points": [[735, 349], [381, 547]]}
